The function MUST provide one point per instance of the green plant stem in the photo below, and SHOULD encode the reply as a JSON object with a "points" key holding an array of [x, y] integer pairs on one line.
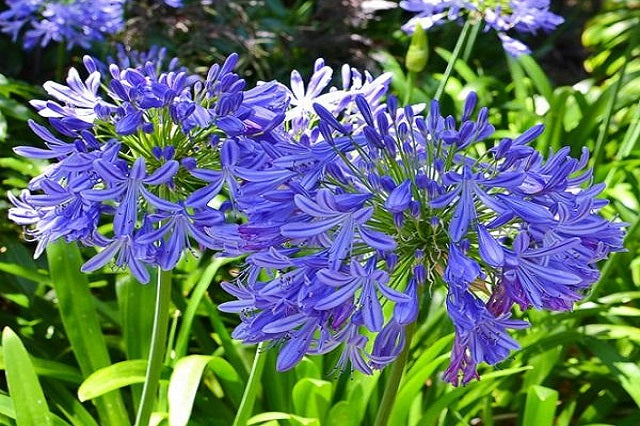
{"points": [[251, 390], [411, 77], [158, 346], [392, 385], [452, 61], [60, 57], [472, 41]]}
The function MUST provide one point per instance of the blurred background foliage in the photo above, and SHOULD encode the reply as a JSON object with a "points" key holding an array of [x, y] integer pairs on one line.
{"points": [[87, 336]]}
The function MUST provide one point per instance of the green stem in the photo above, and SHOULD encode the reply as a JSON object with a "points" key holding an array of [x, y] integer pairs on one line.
{"points": [[158, 346], [452, 61], [411, 76], [475, 29], [60, 57], [251, 390], [392, 385]]}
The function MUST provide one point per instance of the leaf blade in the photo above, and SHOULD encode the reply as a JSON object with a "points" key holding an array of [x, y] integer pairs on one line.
{"points": [[28, 398]]}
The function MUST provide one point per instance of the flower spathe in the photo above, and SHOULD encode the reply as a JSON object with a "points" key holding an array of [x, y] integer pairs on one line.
{"points": [[147, 155], [365, 206], [503, 16]]}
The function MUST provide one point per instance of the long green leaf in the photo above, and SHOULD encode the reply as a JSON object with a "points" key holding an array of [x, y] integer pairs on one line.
{"points": [[137, 322], [28, 399], [537, 76], [53, 369], [194, 301], [6, 409], [540, 408], [312, 397], [631, 137], [623, 370], [270, 416], [81, 323], [24, 272], [67, 403], [17, 254], [430, 416], [112, 377], [183, 386]]}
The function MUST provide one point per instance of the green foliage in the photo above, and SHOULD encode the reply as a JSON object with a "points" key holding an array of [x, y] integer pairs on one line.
{"points": [[613, 35], [27, 398]]}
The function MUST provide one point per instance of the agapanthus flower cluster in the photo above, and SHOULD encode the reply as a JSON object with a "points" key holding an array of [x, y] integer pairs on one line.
{"points": [[503, 16], [74, 23], [353, 221], [140, 158], [353, 209]]}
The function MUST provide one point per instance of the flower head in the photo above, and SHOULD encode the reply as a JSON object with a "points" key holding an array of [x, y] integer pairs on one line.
{"points": [[147, 155], [384, 201], [75, 23]]}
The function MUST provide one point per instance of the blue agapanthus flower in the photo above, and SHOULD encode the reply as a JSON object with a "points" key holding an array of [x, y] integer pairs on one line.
{"points": [[74, 23], [147, 153], [174, 3], [354, 213], [503, 16]]}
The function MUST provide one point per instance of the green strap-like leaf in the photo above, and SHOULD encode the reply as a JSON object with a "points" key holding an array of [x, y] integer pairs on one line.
{"points": [[63, 400], [28, 399], [415, 378], [540, 409], [312, 397], [53, 369], [137, 322], [6, 409], [113, 377], [183, 386], [81, 323], [263, 418]]}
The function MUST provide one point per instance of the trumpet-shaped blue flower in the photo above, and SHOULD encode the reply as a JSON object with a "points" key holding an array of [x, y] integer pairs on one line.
{"points": [[353, 209], [75, 22], [147, 156]]}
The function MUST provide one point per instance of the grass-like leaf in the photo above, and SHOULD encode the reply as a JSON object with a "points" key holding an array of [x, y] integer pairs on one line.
{"points": [[81, 323], [48, 368], [113, 377], [540, 407], [29, 403], [183, 386]]}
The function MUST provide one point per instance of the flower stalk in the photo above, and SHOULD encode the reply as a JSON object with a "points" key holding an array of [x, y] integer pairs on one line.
{"points": [[251, 390], [452, 61], [158, 348], [393, 384]]}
